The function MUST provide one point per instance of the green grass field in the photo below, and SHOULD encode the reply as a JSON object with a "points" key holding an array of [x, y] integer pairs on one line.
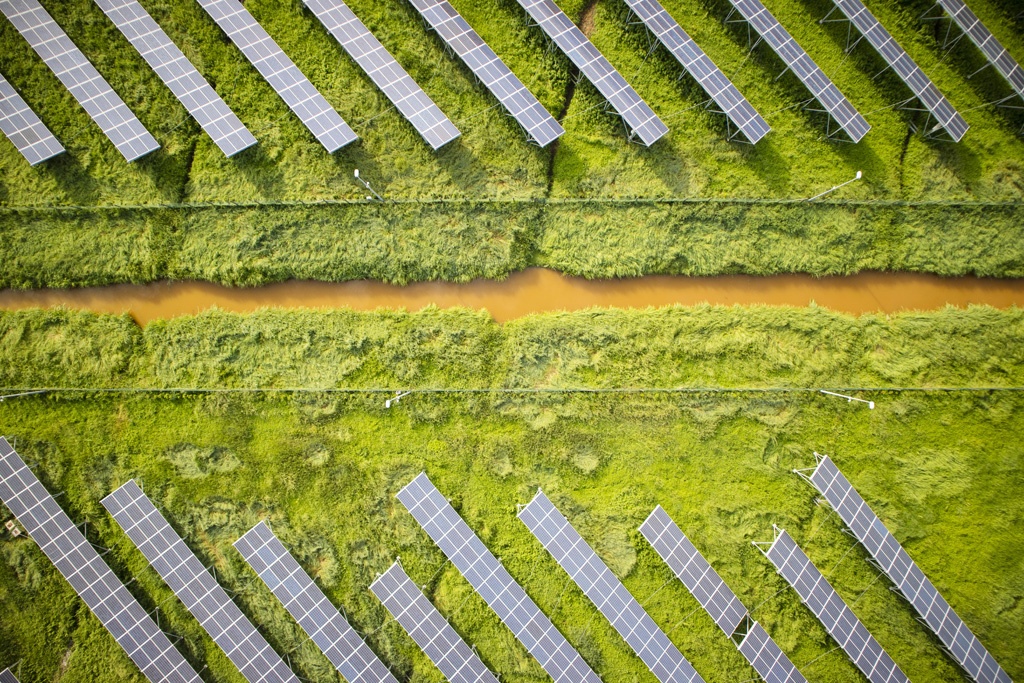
{"points": [[492, 160], [942, 469]]}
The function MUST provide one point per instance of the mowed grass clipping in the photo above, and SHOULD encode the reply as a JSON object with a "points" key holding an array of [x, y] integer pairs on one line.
{"points": [[513, 218]]}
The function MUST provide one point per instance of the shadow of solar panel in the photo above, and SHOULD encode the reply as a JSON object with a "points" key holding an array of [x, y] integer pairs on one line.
{"points": [[310, 608], [767, 658], [493, 582], [640, 119], [830, 609], [693, 570], [387, 74], [80, 564], [801, 64], [540, 126], [904, 67], [431, 631], [195, 587], [908, 578], [605, 590], [7, 676], [24, 129], [994, 52], [728, 98], [178, 74], [280, 72], [81, 79]]}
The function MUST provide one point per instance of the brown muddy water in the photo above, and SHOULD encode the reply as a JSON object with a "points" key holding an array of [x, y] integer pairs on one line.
{"points": [[538, 290]]}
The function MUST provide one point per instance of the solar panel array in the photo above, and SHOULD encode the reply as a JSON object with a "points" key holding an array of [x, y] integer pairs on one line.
{"points": [[7, 676], [602, 587], [493, 582], [830, 609], [993, 50], [908, 578], [308, 605], [23, 128], [728, 98], [195, 587], [540, 126], [905, 67], [387, 74], [79, 563], [801, 64], [277, 69], [641, 120], [428, 628], [717, 598], [80, 77], [178, 74]]}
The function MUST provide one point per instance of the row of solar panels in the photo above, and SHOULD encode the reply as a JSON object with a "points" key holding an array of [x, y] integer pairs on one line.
{"points": [[131, 138], [168, 554]]}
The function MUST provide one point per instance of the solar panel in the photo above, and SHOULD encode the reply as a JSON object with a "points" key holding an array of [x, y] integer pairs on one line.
{"points": [[905, 67], [767, 658], [717, 598], [908, 578], [693, 570], [830, 609], [428, 628], [80, 77], [540, 126], [607, 593], [493, 582], [641, 120], [801, 64], [280, 72], [178, 74], [308, 605], [7, 676], [728, 98], [387, 74], [195, 587], [23, 128], [993, 50], [79, 563]]}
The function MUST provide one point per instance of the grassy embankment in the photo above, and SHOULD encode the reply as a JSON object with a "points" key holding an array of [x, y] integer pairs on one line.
{"points": [[618, 229], [942, 469]]}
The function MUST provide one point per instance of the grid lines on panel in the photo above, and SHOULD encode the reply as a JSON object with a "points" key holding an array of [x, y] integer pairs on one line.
{"points": [[80, 77], [493, 583], [717, 599], [605, 590], [690, 55], [79, 563], [23, 128], [310, 608], [767, 658], [994, 52], [904, 573], [195, 586], [7, 676], [641, 120], [905, 67], [386, 73], [693, 570], [280, 73], [540, 126], [431, 631], [833, 613], [800, 63], [179, 75]]}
